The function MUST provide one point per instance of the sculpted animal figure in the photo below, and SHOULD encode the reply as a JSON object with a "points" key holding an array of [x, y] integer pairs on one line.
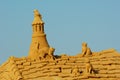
{"points": [[46, 52], [89, 67], [76, 71], [86, 51]]}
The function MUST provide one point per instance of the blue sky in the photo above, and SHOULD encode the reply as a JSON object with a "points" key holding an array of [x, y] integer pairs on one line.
{"points": [[68, 23]]}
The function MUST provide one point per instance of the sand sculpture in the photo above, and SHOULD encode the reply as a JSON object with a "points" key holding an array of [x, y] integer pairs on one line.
{"points": [[39, 46], [86, 51], [42, 64], [76, 71], [89, 67]]}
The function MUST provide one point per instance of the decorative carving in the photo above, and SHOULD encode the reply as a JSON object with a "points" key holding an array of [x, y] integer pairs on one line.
{"points": [[89, 67], [86, 51], [46, 52], [75, 71]]}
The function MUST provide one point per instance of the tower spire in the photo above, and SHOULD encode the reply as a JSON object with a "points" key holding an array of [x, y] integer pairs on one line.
{"points": [[37, 18]]}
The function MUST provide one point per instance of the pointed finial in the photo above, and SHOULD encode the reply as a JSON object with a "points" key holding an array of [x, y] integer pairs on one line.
{"points": [[37, 18]]}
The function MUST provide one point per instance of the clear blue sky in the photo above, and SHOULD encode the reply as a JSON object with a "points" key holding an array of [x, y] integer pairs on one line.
{"points": [[68, 23]]}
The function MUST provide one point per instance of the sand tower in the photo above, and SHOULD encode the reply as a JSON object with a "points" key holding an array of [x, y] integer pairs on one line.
{"points": [[39, 40]]}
